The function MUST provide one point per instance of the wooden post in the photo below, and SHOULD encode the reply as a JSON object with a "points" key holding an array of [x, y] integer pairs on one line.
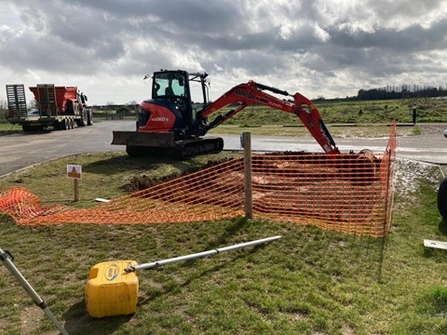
{"points": [[246, 144], [76, 189], [75, 172]]}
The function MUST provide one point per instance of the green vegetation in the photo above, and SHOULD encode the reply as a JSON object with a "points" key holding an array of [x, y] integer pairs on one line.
{"points": [[344, 131], [353, 112], [429, 110], [98, 179], [309, 282], [7, 128]]}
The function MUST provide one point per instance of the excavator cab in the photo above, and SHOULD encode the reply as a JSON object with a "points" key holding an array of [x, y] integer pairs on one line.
{"points": [[173, 87], [167, 123]]}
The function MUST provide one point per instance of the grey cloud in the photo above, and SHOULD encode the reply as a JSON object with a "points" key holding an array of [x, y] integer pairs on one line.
{"points": [[412, 38], [274, 39], [404, 8], [184, 15]]}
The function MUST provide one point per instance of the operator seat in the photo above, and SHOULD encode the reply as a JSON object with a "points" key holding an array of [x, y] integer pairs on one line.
{"points": [[169, 91]]}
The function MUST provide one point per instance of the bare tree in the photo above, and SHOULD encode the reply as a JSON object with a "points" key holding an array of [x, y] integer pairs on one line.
{"points": [[3, 109]]}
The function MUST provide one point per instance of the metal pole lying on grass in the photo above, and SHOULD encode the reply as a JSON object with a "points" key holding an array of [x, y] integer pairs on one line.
{"points": [[7, 258], [112, 288], [160, 264]]}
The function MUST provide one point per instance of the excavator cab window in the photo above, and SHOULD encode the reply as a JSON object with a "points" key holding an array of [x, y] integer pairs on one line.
{"points": [[169, 85], [173, 86]]}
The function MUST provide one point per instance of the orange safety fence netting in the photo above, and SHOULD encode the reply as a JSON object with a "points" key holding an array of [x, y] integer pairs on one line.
{"points": [[350, 193]]}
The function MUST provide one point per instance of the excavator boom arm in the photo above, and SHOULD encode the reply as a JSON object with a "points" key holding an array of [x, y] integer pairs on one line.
{"points": [[252, 93]]}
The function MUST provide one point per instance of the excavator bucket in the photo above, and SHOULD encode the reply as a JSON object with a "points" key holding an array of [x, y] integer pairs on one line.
{"points": [[143, 139]]}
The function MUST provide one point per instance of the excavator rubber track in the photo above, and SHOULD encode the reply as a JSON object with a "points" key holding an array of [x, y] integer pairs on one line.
{"points": [[201, 146]]}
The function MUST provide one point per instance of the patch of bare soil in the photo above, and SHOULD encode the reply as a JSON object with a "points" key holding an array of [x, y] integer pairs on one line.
{"points": [[30, 320], [143, 182], [310, 182], [343, 188]]}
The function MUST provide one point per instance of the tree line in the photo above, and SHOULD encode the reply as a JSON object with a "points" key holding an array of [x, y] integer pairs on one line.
{"points": [[400, 92]]}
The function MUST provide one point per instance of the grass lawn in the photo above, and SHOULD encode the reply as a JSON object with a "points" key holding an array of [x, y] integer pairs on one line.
{"points": [[309, 282], [8, 128]]}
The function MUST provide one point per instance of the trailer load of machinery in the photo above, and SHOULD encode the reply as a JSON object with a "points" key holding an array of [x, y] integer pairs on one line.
{"points": [[168, 123], [59, 107]]}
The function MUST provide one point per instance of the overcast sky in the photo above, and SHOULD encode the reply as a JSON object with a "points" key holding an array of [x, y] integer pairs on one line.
{"points": [[326, 48]]}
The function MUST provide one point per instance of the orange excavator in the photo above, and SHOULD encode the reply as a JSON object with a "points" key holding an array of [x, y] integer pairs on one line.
{"points": [[171, 124]]}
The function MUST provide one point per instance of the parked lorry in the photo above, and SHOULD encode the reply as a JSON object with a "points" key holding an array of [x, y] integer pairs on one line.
{"points": [[59, 107]]}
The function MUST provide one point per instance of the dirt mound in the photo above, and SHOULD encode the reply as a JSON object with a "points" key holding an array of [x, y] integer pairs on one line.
{"points": [[139, 183]]}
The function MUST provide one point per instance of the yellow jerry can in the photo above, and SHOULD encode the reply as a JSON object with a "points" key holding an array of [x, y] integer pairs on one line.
{"points": [[110, 290]]}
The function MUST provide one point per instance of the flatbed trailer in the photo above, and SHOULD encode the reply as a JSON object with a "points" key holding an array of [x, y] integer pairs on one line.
{"points": [[58, 107]]}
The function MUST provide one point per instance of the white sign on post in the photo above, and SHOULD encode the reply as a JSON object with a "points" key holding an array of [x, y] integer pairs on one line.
{"points": [[74, 171]]}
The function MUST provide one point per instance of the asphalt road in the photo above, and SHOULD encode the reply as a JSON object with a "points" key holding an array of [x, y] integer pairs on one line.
{"points": [[21, 150]]}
